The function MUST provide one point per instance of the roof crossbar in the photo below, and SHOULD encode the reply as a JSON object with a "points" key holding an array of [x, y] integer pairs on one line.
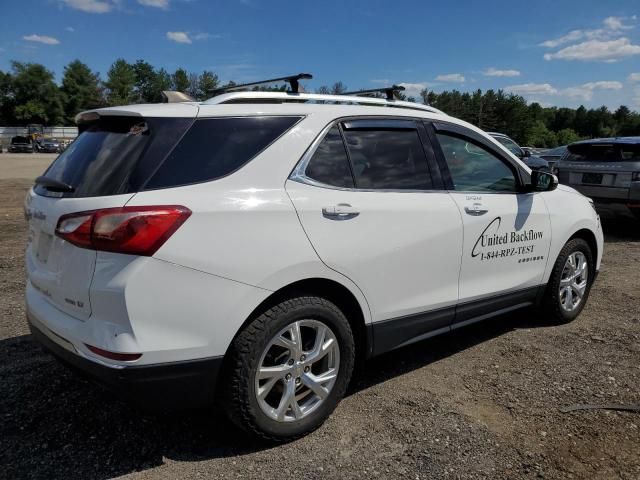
{"points": [[390, 92], [292, 80]]}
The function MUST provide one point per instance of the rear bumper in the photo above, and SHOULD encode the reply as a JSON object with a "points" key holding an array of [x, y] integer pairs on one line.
{"points": [[175, 385]]}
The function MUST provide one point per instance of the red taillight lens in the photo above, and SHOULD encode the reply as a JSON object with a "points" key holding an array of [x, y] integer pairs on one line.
{"points": [[122, 357], [130, 230]]}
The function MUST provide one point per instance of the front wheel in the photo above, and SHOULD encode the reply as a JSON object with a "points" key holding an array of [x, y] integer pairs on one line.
{"points": [[289, 368], [570, 281]]}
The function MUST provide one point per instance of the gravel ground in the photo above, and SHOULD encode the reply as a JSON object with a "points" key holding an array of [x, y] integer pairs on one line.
{"points": [[479, 403]]}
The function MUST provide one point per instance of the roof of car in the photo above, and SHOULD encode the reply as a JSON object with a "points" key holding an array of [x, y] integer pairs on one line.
{"points": [[625, 140]]}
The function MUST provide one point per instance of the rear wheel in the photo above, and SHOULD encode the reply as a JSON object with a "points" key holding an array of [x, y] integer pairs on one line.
{"points": [[570, 281], [289, 368]]}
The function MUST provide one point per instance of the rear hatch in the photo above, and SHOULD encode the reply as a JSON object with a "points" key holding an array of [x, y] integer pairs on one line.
{"points": [[112, 159], [600, 169]]}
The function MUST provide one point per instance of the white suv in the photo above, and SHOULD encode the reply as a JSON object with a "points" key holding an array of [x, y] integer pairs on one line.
{"points": [[250, 248]]}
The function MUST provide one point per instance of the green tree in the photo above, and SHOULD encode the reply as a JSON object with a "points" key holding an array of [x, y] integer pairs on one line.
{"points": [[7, 103], [146, 86], [207, 83], [121, 83], [180, 80], [567, 136], [36, 97], [81, 90]]}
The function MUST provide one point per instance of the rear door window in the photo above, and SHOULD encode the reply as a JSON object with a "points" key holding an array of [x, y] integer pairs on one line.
{"points": [[591, 152], [216, 147], [387, 158]]}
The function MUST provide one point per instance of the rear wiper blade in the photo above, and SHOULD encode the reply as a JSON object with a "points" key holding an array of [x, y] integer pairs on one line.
{"points": [[54, 185]]}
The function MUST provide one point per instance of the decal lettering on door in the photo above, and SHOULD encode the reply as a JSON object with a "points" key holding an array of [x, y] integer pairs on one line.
{"points": [[493, 243]]}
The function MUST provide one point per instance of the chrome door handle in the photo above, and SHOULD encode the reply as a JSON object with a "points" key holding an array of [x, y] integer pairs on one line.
{"points": [[476, 210], [342, 211]]}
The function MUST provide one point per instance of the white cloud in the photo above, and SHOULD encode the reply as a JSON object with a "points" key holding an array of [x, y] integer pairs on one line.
{"points": [[451, 77], [494, 72], [70, 29], [585, 91], [597, 50], [179, 37], [204, 36], [569, 37], [582, 92], [41, 39], [616, 23], [532, 89], [163, 4], [634, 77], [89, 6], [413, 89]]}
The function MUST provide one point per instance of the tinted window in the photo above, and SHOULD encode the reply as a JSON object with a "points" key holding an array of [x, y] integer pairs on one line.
{"points": [[329, 163], [473, 168], [215, 147], [388, 159], [585, 152], [115, 154]]}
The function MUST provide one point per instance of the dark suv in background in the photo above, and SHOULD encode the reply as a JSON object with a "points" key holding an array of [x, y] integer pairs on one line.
{"points": [[532, 161], [605, 169]]}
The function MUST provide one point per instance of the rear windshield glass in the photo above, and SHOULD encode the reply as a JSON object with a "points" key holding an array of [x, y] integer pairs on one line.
{"points": [[216, 147], [115, 155], [596, 152]]}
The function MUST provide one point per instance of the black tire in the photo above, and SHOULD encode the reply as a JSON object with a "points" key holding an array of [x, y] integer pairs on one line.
{"points": [[552, 300], [238, 391]]}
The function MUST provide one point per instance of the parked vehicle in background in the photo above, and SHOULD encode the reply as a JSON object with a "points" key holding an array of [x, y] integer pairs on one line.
{"points": [[553, 155], [265, 241], [20, 144], [604, 169], [532, 161], [531, 150], [48, 145]]}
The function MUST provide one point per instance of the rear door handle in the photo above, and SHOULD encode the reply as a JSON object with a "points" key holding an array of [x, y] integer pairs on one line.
{"points": [[342, 211], [476, 210]]}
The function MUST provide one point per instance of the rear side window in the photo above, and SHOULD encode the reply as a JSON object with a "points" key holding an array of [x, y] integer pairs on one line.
{"points": [[216, 147], [630, 153], [115, 155], [330, 164], [388, 159]]}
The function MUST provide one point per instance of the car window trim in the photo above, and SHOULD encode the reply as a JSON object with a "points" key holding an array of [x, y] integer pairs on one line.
{"points": [[520, 175], [298, 172]]}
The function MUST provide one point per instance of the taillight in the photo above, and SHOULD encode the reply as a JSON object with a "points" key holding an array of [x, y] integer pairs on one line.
{"points": [[130, 230]]}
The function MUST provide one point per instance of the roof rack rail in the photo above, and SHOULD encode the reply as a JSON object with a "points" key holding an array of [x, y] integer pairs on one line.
{"points": [[390, 92], [292, 80]]}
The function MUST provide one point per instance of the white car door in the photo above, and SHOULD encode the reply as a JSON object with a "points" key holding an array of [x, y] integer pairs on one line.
{"points": [[507, 232], [373, 214]]}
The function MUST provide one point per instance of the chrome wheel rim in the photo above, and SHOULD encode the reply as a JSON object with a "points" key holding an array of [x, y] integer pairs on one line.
{"points": [[573, 281], [297, 370]]}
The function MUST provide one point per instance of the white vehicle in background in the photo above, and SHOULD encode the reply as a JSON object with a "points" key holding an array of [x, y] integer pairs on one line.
{"points": [[249, 248]]}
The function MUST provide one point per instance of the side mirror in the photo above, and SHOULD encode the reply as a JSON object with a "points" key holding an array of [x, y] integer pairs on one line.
{"points": [[542, 181], [527, 153]]}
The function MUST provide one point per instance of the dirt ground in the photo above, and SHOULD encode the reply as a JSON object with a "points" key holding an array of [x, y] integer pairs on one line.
{"points": [[482, 402]]}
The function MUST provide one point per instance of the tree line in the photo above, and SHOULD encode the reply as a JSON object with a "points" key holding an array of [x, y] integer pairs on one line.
{"points": [[29, 94]]}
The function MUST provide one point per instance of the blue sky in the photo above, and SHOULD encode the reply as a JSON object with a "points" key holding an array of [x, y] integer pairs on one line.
{"points": [[559, 52]]}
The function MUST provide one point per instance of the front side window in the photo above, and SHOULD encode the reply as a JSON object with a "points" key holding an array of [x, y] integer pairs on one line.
{"points": [[473, 168], [388, 159], [330, 164]]}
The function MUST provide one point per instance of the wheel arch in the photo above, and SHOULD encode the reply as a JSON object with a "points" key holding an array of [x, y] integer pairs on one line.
{"points": [[331, 290], [588, 236]]}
